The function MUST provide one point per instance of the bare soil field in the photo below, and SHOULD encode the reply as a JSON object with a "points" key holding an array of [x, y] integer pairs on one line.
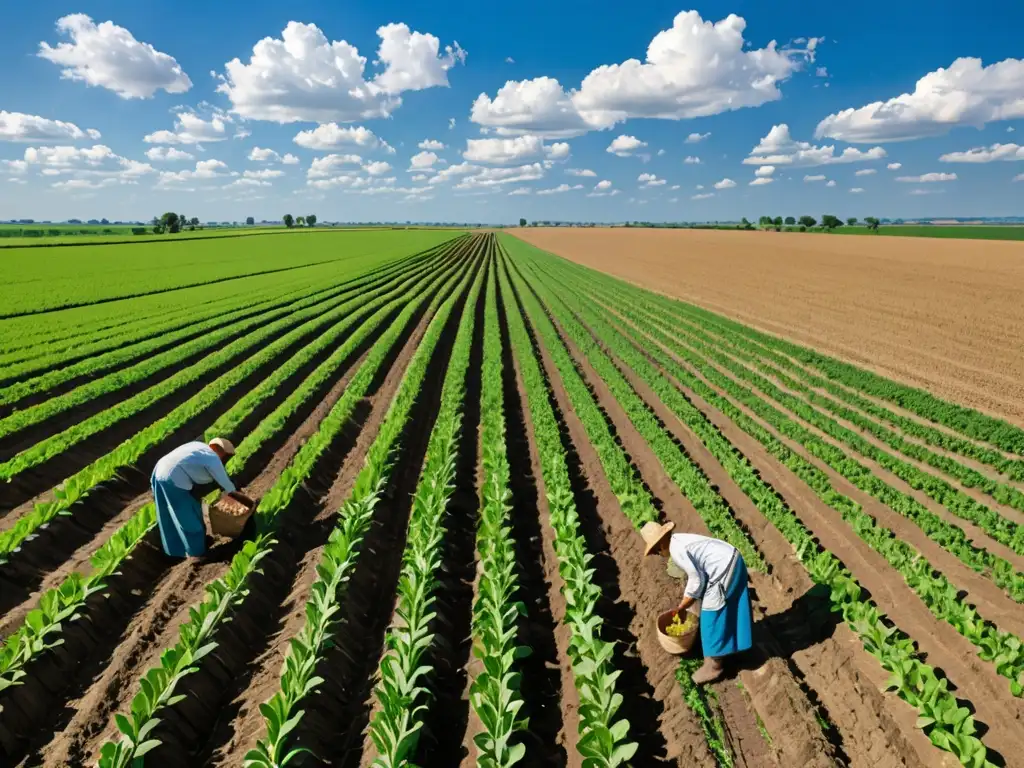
{"points": [[946, 316]]}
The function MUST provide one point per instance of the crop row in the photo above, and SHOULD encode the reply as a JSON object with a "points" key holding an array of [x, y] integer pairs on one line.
{"points": [[151, 366], [61, 442], [602, 738], [57, 370], [634, 499], [79, 485], [960, 504], [686, 475], [43, 624], [52, 351], [1003, 649], [404, 679], [948, 536], [494, 691], [281, 713], [773, 363], [966, 421], [949, 726], [196, 637]]}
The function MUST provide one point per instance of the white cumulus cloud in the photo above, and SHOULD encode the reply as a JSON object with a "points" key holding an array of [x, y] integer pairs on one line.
{"points": [[333, 136], [765, 170], [95, 161], [322, 167], [580, 172], [625, 146], [695, 68], [865, 172], [816, 177], [559, 189], [167, 155], [431, 144], [702, 196], [190, 128], [856, 190], [1007, 152], [692, 160], [302, 76], [894, 166], [760, 181], [725, 184], [422, 161], [377, 168], [263, 173], [512, 150], [928, 178], [831, 183], [17, 126], [779, 148], [264, 155], [204, 170], [694, 138], [109, 56], [965, 93]]}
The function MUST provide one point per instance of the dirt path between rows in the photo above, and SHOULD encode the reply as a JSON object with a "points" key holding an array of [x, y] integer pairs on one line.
{"points": [[945, 315]]}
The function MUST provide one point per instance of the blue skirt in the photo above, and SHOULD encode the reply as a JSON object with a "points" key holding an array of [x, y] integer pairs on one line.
{"points": [[180, 518], [728, 630]]}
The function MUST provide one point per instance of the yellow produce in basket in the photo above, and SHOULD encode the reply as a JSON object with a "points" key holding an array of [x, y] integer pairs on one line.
{"points": [[679, 628]]}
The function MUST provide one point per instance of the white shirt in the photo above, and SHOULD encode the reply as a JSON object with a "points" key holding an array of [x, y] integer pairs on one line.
{"points": [[193, 464], [708, 563]]}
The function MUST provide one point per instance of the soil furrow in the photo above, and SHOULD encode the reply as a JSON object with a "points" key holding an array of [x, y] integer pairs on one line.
{"points": [[55, 548], [335, 721], [785, 709], [945, 648], [133, 642]]}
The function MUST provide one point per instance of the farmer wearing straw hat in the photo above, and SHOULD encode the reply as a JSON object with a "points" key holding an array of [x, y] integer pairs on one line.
{"points": [[717, 576], [179, 481]]}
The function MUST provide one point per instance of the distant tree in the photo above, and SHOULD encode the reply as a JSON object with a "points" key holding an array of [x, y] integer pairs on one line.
{"points": [[522, 222], [194, 221], [808, 221], [289, 220], [170, 222], [158, 229], [872, 223], [830, 222], [852, 221], [803, 228], [764, 221], [777, 222], [790, 221], [300, 221], [746, 224], [311, 220], [182, 221], [250, 220]]}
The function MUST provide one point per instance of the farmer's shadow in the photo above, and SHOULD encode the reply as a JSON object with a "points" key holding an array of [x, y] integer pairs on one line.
{"points": [[807, 622]]}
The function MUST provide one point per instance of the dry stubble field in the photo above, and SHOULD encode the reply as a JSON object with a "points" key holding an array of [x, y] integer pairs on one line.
{"points": [[944, 315]]}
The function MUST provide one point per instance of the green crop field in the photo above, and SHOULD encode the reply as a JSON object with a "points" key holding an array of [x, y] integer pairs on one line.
{"points": [[961, 231], [454, 440]]}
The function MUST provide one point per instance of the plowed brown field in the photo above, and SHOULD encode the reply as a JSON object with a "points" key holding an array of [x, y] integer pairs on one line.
{"points": [[943, 315]]}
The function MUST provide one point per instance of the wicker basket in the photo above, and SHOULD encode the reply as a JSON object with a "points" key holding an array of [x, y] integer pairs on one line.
{"points": [[676, 645], [228, 517]]}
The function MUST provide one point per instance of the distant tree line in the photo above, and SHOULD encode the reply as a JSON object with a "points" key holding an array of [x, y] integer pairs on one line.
{"points": [[171, 223]]}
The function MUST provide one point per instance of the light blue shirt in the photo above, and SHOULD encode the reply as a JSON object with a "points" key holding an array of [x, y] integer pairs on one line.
{"points": [[193, 464]]}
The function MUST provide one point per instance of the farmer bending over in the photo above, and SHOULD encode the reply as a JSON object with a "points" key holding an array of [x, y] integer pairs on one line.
{"points": [[180, 480], [717, 576]]}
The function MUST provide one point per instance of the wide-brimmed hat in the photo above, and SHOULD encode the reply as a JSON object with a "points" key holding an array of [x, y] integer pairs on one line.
{"points": [[224, 444], [653, 534]]}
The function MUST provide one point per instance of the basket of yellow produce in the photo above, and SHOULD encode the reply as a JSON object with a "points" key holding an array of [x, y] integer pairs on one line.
{"points": [[678, 632]]}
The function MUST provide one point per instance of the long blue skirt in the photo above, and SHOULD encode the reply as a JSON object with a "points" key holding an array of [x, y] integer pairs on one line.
{"points": [[729, 629], [180, 519]]}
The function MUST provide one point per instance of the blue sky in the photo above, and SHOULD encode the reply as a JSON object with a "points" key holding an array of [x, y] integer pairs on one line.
{"points": [[571, 111]]}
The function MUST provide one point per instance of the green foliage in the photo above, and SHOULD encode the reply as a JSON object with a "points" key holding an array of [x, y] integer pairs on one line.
{"points": [[808, 221], [947, 725], [288, 220], [603, 739], [341, 554]]}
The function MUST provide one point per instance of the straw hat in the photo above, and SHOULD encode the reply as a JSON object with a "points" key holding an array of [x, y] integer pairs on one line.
{"points": [[653, 534], [224, 444]]}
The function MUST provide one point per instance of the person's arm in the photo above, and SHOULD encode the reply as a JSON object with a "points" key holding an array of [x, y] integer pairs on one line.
{"points": [[696, 582], [216, 467], [687, 602]]}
